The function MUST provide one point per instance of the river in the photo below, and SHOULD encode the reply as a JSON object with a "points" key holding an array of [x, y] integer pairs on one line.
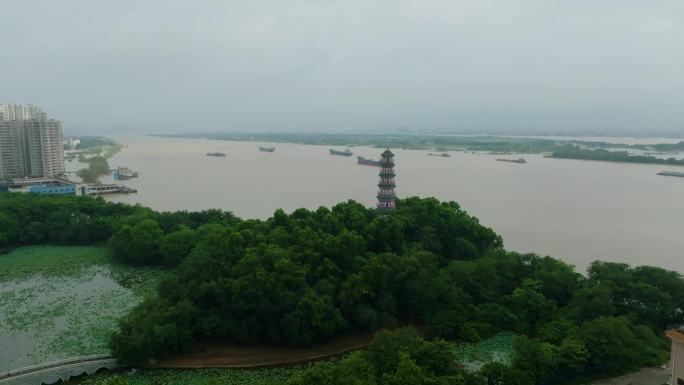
{"points": [[575, 210]]}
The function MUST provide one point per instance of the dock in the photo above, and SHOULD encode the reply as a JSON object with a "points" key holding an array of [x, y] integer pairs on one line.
{"points": [[106, 189]]}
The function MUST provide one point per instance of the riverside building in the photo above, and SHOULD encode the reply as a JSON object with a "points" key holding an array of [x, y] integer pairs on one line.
{"points": [[30, 143], [677, 355]]}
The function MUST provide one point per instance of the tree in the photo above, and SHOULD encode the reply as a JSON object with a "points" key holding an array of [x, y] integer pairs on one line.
{"points": [[153, 330], [177, 245], [138, 244], [547, 363], [531, 307], [407, 373], [495, 373], [384, 350], [613, 347], [591, 302]]}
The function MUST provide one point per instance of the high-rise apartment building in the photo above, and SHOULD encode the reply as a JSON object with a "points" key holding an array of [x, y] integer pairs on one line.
{"points": [[16, 111], [30, 143]]}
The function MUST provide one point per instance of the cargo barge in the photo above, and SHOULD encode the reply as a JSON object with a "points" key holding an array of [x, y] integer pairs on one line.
{"points": [[219, 154], [519, 160], [346, 152], [368, 162], [672, 173]]}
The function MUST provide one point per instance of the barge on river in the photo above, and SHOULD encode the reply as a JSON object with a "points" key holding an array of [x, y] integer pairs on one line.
{"points": [[672, 173], [519, 160], [346, 152], [368, 162]]}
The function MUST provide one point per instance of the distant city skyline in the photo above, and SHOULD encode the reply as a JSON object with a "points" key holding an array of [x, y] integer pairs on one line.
{"points": [[500, 66]]}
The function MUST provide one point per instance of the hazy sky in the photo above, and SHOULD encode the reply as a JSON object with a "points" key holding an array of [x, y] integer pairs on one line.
{"points": [[180, 66]]}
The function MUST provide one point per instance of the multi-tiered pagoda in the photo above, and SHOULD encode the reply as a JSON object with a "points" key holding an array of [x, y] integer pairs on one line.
{"points": [[386, 193]]}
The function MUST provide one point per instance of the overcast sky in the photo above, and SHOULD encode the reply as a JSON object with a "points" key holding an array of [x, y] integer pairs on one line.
{"points": [[301, 65]]}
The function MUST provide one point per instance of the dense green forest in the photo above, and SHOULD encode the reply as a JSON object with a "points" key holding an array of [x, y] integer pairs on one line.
{"points": [[305, 277], [576, 152]]}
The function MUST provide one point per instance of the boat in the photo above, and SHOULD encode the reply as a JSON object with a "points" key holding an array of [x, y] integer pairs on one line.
{"points": [[266, 149], [672, 173], [123, 173], [216, 154], [443, 155], [519, 160], [346, 152], [368, 162]]}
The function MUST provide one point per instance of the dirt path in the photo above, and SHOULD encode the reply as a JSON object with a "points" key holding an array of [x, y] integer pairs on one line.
{"points": [[646, 376], [235, 356]]}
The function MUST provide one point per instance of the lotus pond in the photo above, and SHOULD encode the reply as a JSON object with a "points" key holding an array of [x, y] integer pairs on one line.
{"points": [[58, 302], [496, 349], [273, 376]]}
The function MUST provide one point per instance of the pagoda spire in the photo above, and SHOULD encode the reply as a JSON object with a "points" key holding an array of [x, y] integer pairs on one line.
{"points": [[386, 193]]}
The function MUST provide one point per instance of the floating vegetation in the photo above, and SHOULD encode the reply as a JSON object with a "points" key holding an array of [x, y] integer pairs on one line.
{"points": [[273, 376], [495, 349], [58, 302]]}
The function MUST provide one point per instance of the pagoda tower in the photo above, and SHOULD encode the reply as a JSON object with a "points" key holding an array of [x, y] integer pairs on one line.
{"points": [[386, 193]]}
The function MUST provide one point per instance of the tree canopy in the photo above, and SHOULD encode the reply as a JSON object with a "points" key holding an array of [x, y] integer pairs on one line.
{"points": [[304, 277]]}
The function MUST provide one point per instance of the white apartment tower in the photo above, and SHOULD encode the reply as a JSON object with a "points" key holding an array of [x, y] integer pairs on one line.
{"points": [[16, 111], [30, 143]]}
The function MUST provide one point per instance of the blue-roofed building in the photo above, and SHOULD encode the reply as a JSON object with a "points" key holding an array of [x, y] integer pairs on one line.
{"points": [[53, 188]]}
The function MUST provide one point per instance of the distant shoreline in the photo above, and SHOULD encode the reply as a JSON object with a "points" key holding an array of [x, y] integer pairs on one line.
{"points": [[433, 142]]}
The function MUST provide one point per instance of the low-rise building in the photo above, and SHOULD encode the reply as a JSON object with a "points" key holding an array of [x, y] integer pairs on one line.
{"points": [[71, 141], [53, 188], [677, 355]]}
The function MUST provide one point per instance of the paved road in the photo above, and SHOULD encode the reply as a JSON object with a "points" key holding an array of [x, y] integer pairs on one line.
{"points": [[646, 376]]}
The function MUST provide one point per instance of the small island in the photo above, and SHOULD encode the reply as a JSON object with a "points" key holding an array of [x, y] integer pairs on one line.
{"points": [[577, 152]]}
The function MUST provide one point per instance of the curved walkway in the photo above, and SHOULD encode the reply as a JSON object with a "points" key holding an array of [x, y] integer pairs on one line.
{"points": [[51, 372], [236, 356], [645, 376]]}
